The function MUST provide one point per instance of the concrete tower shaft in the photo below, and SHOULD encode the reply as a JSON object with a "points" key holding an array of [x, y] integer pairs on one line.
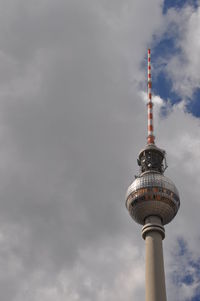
{"points": [[153, 232]]}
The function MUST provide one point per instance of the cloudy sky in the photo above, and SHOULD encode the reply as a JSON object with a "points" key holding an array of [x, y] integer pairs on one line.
{"points": [[72, 122]]}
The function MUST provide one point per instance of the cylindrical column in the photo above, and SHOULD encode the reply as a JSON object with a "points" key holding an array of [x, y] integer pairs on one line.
{"points": [[153, 233]]}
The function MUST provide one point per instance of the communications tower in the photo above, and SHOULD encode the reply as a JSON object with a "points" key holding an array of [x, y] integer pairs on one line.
{"points": [[153, 201]]}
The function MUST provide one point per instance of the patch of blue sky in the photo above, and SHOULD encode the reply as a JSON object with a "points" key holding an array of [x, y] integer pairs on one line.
{"points": [[182, 247], [192, 269], [193, 106], [162, 83], [187, 279], [196, 298], [196, 266], [178, 4], [164, 48], [162, 86]]}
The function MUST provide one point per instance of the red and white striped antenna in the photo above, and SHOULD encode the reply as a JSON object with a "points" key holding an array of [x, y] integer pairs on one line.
{"points": [[150, 138]]}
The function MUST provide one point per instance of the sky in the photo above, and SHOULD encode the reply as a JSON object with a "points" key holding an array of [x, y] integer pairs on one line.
{"points": [[73, 119]]}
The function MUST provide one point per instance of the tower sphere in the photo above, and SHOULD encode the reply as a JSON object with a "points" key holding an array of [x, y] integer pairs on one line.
{"points": [[152, 194]]}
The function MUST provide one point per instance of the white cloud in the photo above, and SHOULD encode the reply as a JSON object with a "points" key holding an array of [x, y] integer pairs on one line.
{"points": [[184, 26]]}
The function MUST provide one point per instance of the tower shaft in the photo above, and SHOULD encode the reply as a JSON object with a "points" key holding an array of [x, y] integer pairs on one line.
{"points": [[153, 233]]}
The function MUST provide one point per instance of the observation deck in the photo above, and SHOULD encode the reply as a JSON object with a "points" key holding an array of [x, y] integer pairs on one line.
{"points": [[152, 194]]}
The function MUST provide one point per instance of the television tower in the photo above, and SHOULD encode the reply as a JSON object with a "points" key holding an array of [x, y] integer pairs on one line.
{"points": [[153, 201]]}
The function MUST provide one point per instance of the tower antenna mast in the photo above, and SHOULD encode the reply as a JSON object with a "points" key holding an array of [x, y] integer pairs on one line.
{"points": [[150, 138]]}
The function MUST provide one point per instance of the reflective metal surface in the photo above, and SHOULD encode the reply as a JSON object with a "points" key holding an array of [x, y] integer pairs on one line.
{"points": [[151, 179], [152, 194]]}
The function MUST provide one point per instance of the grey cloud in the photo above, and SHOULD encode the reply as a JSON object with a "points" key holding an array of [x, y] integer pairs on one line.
{"points": [[72, 122]]}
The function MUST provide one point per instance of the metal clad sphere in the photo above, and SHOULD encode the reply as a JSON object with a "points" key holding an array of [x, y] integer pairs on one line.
{"points": [[152, 194]]}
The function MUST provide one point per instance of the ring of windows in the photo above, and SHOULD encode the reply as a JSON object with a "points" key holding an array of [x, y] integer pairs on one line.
{"points": [[153, 193]]}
